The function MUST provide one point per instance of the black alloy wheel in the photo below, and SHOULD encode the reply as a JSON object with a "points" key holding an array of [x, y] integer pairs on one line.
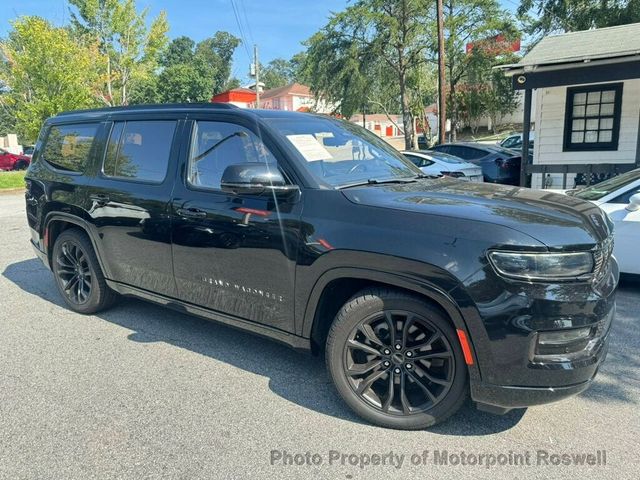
{"points": [[396, 360], [73, 270], [399, 362], [78, 275]]}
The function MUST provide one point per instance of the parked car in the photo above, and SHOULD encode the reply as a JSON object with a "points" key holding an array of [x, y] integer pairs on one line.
{"points": [[28, 150], [499, 165], [424, 142], [619, 197], [442, 164], [12, 161], [315, 232], [514, 142]]}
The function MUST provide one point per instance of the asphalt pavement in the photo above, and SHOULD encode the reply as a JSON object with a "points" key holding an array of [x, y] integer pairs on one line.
{"points": [[143, 392]]}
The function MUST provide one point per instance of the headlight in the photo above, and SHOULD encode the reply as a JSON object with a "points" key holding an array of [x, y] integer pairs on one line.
{"points": [[542, 266]]}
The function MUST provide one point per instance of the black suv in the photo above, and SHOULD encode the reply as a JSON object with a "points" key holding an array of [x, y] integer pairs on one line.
{"points": [[312, 231]]}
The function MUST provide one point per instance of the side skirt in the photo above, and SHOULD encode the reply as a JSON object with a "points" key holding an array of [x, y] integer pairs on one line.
{"points": [[293, 341]]}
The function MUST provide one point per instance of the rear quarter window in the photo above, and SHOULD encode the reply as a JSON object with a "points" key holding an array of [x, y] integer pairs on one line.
{"points": [[67, 147], [139, 150]]}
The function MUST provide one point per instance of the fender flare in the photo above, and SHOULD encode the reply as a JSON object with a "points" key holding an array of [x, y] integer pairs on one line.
{"points": [[82, 223], [420, 287]]}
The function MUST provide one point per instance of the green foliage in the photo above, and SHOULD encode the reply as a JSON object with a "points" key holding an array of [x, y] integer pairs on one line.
{"points": [[277, 73], [370, 43], [11, 180], [40, 84], [130, 47], [467, 21], [190, 72], [280, 72], [486, 92], [542, 17], [217, 54], [179, 51]]}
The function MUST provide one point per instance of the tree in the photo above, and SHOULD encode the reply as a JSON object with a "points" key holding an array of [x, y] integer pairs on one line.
{"points": [[500, 97], [392, 32], [217, 54], [280, 72], [467, 21], [130, 48], [45, 71], [179, 51], [277, 73], [542, 17]]}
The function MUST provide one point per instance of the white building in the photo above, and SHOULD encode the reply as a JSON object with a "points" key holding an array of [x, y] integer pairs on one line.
{"points": [[587, 110]]}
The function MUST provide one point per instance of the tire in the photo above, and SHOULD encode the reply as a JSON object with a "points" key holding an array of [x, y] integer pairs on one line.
{"points": [[20, 165], [74, 258], [429, 359]]}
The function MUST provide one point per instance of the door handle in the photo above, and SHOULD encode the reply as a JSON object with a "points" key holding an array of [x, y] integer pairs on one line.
{"points": [[191, 213], [99, 198]]}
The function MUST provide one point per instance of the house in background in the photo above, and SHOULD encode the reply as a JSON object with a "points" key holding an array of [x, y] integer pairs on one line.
{"points": [[587, 111], [380, 124], [293, 98], [240, 97]]}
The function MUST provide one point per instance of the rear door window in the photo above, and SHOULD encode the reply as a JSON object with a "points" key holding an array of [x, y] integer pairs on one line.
{"points": [[139, 150], [67, 147]]}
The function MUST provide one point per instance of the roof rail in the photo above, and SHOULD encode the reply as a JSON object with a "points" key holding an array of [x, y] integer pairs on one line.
{"points": [[154, 106]]}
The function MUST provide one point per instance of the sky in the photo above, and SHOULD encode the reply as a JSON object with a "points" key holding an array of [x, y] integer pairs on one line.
{"points": [[277, 26]]}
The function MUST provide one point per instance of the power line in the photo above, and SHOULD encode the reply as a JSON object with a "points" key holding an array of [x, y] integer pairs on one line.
{"points": [[240, 29], [246, 20]]}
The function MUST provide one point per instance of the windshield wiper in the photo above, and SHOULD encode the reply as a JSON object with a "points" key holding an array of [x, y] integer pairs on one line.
{"points": [[374, 181]]}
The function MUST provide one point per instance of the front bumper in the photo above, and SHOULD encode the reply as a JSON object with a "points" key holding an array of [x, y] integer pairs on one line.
{"points": [[41, 255], [513, 374], [502, 398]]}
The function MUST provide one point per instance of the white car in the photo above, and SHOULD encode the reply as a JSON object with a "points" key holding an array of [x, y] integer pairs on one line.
{"points": [[514, 142], [438, 163], [619, 197]]}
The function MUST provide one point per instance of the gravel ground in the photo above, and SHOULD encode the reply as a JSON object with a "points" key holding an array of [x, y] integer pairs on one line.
{"points": [[143, 392]]}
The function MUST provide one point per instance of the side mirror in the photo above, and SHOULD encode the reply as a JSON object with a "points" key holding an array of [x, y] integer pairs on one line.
{"points": [[634, 203], [255, 178]]}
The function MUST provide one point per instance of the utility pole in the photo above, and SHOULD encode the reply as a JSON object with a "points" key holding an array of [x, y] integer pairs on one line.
{"points": [[442, 102], [256, 64]]}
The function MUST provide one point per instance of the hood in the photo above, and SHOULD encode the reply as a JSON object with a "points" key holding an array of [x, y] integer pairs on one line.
{"points": [[556, 220]]}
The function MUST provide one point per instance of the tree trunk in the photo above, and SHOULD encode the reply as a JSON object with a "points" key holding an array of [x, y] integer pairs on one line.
{"points": [[407, 118], [453, 110], [109, 88]]}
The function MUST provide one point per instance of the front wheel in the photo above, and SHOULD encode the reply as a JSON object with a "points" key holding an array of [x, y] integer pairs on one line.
{"points": [[396, 360]]}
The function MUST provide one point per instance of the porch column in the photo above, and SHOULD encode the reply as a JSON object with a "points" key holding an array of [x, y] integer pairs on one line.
{"points": [[526, 128]]}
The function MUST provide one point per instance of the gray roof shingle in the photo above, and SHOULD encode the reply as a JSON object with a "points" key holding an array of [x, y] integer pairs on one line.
{"points": [[602, 43]]}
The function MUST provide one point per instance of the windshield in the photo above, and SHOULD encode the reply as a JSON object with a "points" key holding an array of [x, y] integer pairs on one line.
{"points": [[599, 190], [341, 153]]}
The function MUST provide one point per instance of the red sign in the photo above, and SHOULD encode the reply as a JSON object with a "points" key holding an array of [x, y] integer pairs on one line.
{"points": [[495, 45]]}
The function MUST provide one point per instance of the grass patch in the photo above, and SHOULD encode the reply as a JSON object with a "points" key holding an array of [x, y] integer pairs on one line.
{"points": [[10, 180]]}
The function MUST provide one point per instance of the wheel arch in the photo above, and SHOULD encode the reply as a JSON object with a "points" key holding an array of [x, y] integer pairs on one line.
{"points": [[337, 285], [57, 222]]}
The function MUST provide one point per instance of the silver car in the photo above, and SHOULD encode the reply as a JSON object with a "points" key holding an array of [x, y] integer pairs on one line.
{"points": [[437, 163]]}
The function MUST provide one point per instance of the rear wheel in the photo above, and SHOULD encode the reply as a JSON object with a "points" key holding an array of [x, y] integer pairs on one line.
{"points": [[78, 275], [396, 360], [20, 165]]}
